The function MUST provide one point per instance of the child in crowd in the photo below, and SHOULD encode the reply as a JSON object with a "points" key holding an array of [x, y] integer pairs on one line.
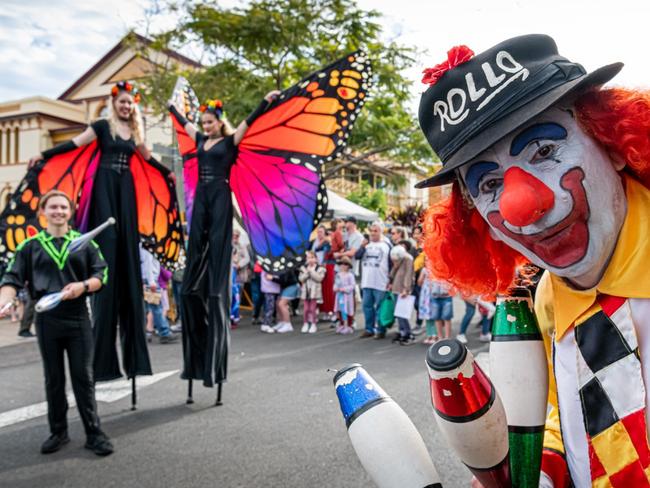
{"points": [[270, 289], [486, 310], [289, 291], [443, 308], [344, 296], [311, 277], [425, 304]]}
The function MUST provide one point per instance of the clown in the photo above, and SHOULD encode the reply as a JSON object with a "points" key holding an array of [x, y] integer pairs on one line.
{"points": [[547, 167]]}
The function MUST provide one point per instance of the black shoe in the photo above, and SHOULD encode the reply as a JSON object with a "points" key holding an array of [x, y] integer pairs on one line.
{"points": [[26, 333], [99, 444], [407, 341], [380, 335], [365, 334], [54, 443], [168, 338]]}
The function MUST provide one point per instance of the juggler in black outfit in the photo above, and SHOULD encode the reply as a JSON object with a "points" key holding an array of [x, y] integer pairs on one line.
{"points": [[44, 263]]}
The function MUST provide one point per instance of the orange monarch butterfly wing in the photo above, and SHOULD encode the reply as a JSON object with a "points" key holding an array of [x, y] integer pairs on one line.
{"points": [[277, 176], [159, 221], [70, 172]]}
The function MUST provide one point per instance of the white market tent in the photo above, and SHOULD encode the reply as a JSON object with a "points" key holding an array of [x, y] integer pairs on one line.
{"points": [[342, 207]]}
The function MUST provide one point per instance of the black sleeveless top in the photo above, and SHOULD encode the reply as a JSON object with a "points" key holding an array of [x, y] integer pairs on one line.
{"points": [[215, 163], [116, 152]]}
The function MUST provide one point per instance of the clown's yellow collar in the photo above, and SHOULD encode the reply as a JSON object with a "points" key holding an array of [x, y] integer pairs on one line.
{"points": [[627, 273]]}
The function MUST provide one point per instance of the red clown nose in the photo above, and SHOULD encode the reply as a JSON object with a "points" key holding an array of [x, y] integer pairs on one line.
{"points": [[525, 199]]}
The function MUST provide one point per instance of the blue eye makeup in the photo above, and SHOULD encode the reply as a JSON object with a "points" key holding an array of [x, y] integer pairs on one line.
{"points": [[547, 131], [475, 173]]}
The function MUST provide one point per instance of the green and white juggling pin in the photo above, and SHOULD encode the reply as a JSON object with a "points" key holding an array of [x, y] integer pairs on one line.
{"points": [[519, 372]]}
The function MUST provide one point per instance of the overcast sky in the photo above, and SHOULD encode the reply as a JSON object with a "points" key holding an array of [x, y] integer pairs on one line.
{"points": [[45, 45]]}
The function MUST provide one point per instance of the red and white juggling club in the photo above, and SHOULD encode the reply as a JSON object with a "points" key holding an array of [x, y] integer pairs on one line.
{"points": [[469, 412], [387, 443]]}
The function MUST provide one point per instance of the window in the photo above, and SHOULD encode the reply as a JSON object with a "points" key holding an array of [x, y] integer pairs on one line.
{"points": [[351, 174], [17, 145], [369, 177]]}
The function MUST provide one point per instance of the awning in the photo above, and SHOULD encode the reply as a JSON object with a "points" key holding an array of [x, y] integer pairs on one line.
{"points": [[340, 207]]}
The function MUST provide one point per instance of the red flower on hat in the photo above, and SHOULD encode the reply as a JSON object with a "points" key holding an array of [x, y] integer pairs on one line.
{"points": [[455, 56]]}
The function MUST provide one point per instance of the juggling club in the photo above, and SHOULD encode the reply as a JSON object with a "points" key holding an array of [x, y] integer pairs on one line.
{"points": [[519, 372], [387, 443], [469, 412], [83, 240]]}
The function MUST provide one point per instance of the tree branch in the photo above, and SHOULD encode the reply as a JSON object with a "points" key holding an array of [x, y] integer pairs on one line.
{"points": [[355, 160]]}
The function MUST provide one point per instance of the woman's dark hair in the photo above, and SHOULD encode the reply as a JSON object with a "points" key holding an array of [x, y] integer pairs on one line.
{"points": [[407, 245]]}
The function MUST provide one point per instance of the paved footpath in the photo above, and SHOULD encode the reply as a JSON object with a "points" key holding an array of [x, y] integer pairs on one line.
{"points": [[280, 425]]}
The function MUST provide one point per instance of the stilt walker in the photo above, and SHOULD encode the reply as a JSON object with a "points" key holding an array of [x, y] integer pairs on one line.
{"points": [[271, 164], [108, 172], [205, 293]]}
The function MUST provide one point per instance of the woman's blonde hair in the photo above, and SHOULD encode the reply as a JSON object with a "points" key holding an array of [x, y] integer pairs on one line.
{"points": [[135, 121]]}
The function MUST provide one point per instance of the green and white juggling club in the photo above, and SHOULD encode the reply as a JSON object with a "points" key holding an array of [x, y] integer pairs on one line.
{"points": [[519, 372]]}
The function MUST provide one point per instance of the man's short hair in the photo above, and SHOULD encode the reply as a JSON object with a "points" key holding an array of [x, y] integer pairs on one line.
{"points": [[379, 224], [54, 193]]}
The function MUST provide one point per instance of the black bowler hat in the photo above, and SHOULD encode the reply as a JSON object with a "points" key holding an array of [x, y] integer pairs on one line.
{"points": [[475, 101]]}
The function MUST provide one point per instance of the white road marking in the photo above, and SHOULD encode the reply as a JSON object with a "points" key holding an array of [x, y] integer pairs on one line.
{"points": [[113, 391], [109, 392]]}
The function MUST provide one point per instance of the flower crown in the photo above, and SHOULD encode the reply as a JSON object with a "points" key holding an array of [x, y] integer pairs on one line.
{"points": [[127, 87], [213, 106]]}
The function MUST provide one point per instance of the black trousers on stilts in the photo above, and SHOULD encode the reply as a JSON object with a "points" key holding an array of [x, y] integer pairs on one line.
{"points": [[74, 336], [120, 300], [205, 292]]}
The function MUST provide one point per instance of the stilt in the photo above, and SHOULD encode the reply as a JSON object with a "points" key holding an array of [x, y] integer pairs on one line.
{"points": [[133, 394], [218, 402], [189, 392]]}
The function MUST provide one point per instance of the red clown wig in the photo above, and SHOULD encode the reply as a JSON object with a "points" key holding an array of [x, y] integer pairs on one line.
{"points": [[458, 242]]}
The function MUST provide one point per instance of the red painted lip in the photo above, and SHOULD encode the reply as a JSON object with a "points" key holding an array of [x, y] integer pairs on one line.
{"points": [[566, 242]]}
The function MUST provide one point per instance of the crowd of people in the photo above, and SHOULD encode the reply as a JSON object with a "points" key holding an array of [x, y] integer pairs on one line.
{"points": [[382, 274]]}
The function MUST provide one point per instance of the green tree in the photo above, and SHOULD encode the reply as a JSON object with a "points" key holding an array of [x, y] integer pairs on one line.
{"points": [[271, 44], [369, 198]]}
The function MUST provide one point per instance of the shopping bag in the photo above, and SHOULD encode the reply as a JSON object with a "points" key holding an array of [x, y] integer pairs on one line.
{"points": [[387, 310]]}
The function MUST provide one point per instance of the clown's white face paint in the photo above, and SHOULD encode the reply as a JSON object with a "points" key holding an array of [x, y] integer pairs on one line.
{"points": [[550, 191]]}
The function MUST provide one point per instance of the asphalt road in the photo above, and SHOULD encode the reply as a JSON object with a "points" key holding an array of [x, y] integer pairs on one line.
{"points": [[280, 425]]}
